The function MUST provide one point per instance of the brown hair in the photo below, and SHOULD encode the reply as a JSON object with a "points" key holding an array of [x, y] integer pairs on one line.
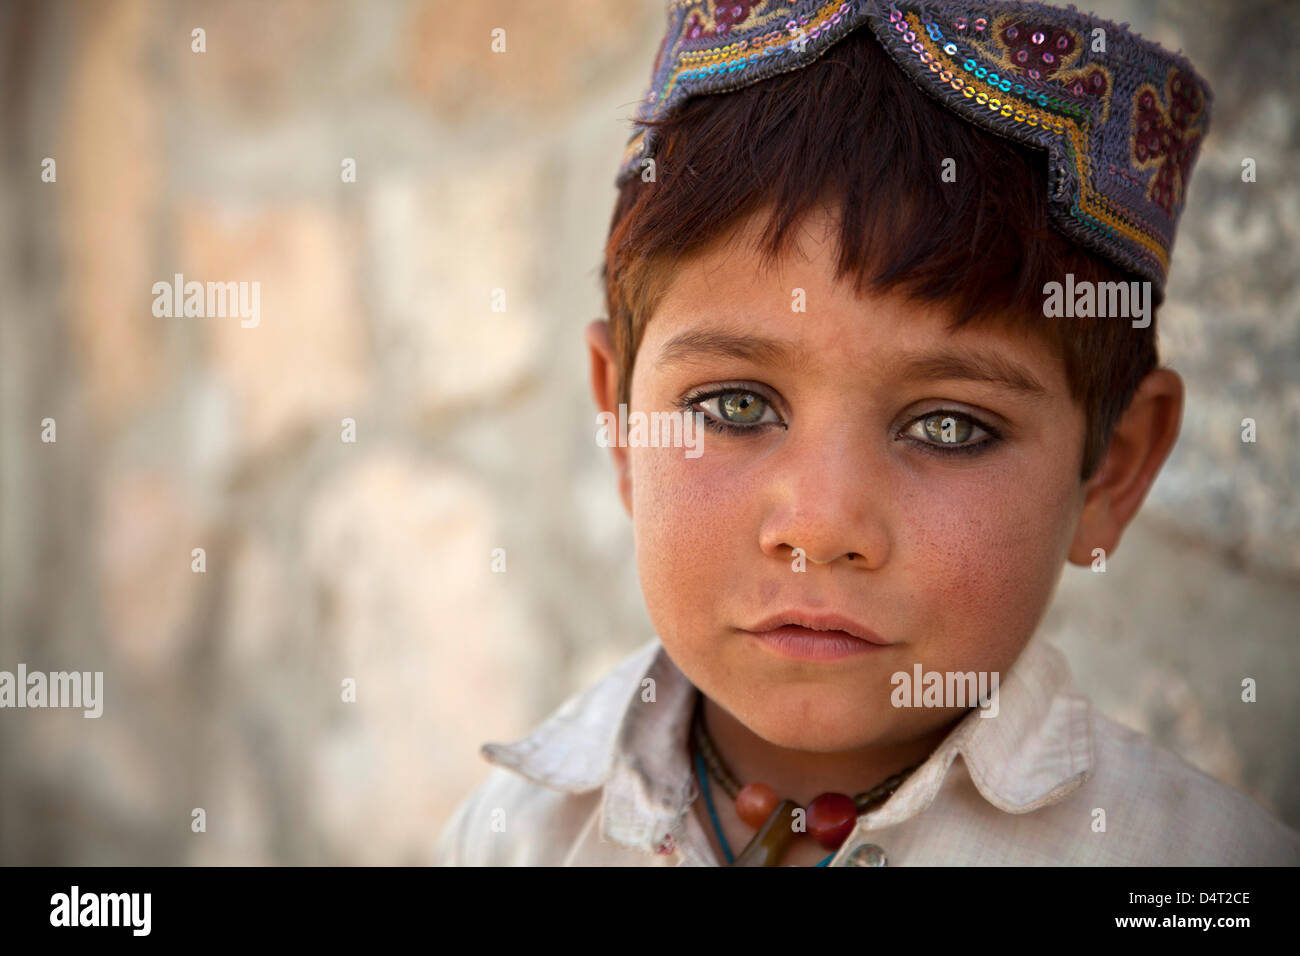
{"points": [[851, 128]]}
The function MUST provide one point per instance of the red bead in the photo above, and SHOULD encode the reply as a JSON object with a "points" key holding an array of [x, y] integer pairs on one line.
{"points": [[755, 803], [830, 819]]}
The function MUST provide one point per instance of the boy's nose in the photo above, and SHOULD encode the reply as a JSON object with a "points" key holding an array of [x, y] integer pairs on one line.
{"points": [[828, 501]]}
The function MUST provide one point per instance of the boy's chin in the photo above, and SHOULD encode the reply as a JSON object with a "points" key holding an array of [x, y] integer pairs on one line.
{"points": [[830, 726]]}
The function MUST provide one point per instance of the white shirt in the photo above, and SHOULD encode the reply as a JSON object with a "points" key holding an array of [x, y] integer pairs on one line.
{"points": [[607, 780]]}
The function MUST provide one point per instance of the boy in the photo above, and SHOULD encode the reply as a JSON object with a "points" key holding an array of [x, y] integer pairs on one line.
{"points": [[902, 262]]}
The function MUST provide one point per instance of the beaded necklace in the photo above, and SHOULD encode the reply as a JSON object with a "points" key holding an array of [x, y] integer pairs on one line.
{"points": [[830, 817]]}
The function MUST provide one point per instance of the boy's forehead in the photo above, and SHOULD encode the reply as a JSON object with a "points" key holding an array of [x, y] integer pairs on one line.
{"points": [[731, 276], [724, 302]]}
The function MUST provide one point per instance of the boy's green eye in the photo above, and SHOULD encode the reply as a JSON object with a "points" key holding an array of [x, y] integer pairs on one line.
{"points": [[737, 409], [743, 408], [948, 428]]}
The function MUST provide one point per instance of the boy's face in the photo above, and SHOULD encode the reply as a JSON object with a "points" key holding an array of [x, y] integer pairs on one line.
{"points": [[955, 555]]}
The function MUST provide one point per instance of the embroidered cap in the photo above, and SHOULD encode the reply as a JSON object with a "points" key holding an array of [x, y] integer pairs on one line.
{"points": [[1121, 118]]}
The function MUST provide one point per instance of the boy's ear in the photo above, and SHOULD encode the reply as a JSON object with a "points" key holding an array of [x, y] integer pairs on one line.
{"points": [[1139, 445], [604, 389]]}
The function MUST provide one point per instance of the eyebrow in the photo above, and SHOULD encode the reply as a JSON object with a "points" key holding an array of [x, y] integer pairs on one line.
{"points": [[946, 363], [702, 344], [972, 366]]}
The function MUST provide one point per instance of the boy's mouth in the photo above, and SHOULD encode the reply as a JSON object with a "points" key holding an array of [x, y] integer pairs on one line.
{"points": [[815, 635]]}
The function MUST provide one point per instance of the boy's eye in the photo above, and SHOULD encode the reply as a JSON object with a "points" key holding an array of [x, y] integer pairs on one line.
{"points": [[739, 408], [946, 428]]}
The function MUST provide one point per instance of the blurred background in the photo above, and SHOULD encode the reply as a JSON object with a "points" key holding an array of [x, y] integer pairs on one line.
{"points": [[370, 560]]}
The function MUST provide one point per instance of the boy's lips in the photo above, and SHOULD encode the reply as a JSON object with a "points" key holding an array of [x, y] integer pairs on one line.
{"points": [[828, 624]]}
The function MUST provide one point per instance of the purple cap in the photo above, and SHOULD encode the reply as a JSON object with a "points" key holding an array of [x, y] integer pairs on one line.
{"points": [[1121, 119]]}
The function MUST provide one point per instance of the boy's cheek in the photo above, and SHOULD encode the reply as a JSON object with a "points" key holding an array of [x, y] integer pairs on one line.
{"points": [[694, 534], [688, 499], [984, 585]]}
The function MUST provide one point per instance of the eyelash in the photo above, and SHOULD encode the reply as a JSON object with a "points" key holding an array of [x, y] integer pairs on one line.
{"points": [[688, 403]]}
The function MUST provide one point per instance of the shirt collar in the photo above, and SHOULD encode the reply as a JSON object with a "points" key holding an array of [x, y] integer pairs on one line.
{"points": [[628, 733]]}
